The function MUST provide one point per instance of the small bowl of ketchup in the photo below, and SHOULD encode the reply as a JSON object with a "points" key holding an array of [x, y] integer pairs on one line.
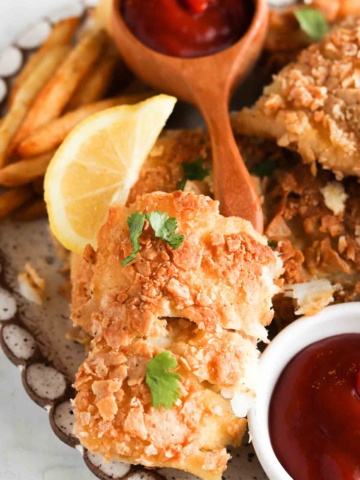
{"points": [[305, 423]]}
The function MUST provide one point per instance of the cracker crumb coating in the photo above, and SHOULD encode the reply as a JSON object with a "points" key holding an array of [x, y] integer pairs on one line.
{"points": [[313, 104], [206, 302], [218, 278]]}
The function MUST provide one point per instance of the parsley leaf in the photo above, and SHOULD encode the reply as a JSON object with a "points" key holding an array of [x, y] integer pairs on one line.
{"points": [[164, 227], [163, 383], [136, 224], [264, 169], [193, 171], [312, 22]]}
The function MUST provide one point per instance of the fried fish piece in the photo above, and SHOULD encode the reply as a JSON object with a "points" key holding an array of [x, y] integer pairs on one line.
{"points": [[220, 277], [162, 171], [313, 104], [206, 302], [114, 412], [313, 222]]}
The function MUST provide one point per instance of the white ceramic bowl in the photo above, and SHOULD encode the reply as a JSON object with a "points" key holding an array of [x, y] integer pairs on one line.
{"points": [[333, 320]]}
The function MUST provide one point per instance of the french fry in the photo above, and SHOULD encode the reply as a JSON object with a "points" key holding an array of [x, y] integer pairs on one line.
{"points": [[24, 171], [56, 94], [98, 80], [13, 199], [50, 136], [61, 34], [32, 211], [26, 95]]}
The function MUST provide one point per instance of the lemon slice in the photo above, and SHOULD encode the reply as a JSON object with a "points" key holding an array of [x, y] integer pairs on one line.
{"points": [[97, 165]]}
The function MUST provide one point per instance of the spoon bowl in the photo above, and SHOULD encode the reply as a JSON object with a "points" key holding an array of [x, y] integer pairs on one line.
{"points": [[208, 83]]}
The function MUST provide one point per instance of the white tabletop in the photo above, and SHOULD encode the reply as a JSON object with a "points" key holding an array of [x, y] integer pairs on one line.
{"points": [[29, 450]]}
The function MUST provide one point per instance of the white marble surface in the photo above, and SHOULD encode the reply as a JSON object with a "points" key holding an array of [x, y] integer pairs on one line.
{"points": [[28, 448]]}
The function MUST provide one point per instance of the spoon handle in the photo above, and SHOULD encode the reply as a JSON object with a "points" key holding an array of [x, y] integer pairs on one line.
{"points": [[233, 185]]}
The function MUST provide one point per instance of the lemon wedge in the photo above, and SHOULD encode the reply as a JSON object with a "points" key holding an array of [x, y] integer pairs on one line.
{"points": [[97, 165]]}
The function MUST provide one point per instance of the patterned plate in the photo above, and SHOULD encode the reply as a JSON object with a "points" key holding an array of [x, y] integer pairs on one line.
{"points": [[32, 336]]}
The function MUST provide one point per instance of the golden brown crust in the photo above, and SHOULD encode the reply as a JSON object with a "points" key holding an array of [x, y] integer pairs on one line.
{"points": [[115, 416], [162, 171], [218, 277], [313, 104], [206, 303], [313, 240], [321, 244]]}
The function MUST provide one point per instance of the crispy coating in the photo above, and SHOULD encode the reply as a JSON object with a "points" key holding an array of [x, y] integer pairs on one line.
{"points": [[162, 171], [299, 216], [219, 277], [312, 106], [114, 412], [314, 220], [207, 302]]}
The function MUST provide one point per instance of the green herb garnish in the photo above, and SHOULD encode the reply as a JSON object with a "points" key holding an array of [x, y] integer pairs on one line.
{"points": [[193, 171], [164, 227], [163, 383], [272, 244], [264, 169], [312, 22], [136, 224]]}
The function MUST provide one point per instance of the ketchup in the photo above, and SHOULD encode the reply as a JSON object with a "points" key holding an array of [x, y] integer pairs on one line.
{"points": [[188, 28], [314, 415]]}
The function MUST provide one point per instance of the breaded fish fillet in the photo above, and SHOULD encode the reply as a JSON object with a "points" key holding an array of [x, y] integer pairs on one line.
{"points": [[221, 276], [207, 303], [162, 171], [313, 105]]}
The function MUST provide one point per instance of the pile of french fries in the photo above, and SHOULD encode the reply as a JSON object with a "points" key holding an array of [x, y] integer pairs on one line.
{"points": [[64, 82]]}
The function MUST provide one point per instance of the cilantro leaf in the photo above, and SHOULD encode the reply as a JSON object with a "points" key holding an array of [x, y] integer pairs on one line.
{"points": [[164, 227], [171, 224], [175, 240], [181, 185], [272, 244], [193, 171], [136, 224], [157, 221], [264, 169], [312, 22], [163, 383]]}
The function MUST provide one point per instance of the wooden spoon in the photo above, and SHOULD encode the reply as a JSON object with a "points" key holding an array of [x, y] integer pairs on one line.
{"points": [[207, 82]]}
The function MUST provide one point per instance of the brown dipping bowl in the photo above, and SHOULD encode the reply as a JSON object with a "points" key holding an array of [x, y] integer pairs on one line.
{"points": [[208, 83]]}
